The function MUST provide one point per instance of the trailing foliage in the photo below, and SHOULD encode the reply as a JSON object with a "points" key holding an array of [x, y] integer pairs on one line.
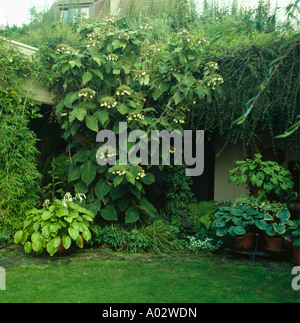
{"points": [[245, 65], [18, 173]]}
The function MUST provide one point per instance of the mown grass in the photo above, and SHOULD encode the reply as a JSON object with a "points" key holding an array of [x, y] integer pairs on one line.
{"points": [[136, 282]]}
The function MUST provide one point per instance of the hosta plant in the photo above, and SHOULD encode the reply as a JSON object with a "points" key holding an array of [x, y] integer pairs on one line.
{"points": [[295, 229], [64, 221], [267, 176], [280, 226], [238, 221]]}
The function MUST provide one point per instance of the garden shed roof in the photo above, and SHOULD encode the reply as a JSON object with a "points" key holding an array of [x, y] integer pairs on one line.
{"points": [[41, 92], [24, 48]]}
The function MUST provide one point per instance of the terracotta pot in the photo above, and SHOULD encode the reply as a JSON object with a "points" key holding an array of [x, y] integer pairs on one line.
{"points": [[296, 255], [61, 249], [244, 242], [255, 190], [274, 244]]}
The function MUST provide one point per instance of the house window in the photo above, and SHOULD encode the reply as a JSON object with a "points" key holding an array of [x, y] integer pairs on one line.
{"points": [[70, 14]]}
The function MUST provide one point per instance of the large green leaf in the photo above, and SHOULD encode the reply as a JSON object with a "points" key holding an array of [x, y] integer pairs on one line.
{"points": [[219, 224], [70, 98], [148, 179], [18, 237], [236, 212], [221, 232], [109, 213], [87, 76], [101, 189], [132, 215], [46, 231], [261, 224], [147, 207], [82, 156], [92, 123], [73, 232], [269, 231], [74, 173], [103, 117], [118, 180], [37, 245], [87, 235], [118, 191], [46, 215], [239, 231], [122, 108], [79, 113], [28, 247], [279, 228], [88, 172], [284, 214], [66, 240]]}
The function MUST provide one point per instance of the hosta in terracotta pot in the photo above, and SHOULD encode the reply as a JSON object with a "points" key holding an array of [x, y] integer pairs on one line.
{"points": [[240, 223], [266, 177], [55, 227], [277, 231], [296, 242]]}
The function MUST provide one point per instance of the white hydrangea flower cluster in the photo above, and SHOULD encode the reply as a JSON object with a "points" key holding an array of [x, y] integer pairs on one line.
{"points": [[112, 57], [172, 69], [141, 173], [119, 170], [213, 80], [183, 31], [123, 35], [87, 93], [108, 20], [145, 26], [180, 120], [211, 66], [124, 89], [202, 41], [110, 152], [135, 117], [66, 49], [93, 39], [108, 102]]}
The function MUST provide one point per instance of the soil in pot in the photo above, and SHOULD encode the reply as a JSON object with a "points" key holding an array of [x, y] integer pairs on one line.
{"points": [[245, 242], [296, 255]]}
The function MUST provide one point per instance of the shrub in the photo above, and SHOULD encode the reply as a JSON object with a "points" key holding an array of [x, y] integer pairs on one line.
{"points": [[118, 76]]}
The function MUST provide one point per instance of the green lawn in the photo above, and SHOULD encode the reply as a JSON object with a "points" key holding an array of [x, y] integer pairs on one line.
{"points": [[137, 282]]}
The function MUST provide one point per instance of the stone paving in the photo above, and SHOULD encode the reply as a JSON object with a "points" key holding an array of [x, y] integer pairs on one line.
{"points": [[14, 256]]}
